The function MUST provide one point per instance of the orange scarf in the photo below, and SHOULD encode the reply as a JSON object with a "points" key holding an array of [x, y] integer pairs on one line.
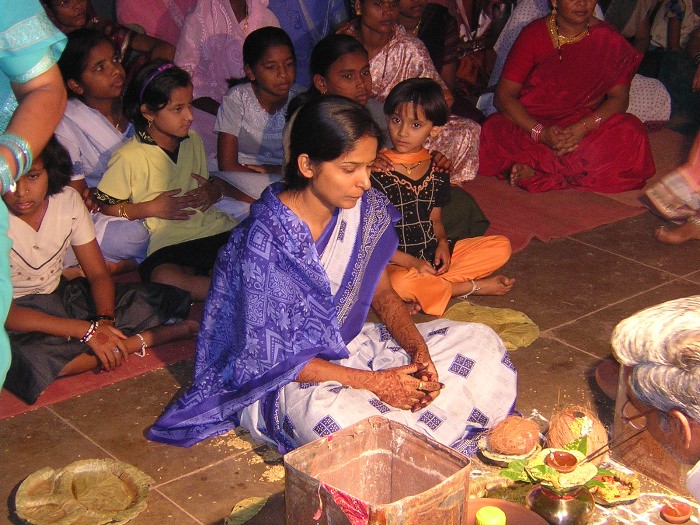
{"points": [[406, 158]]}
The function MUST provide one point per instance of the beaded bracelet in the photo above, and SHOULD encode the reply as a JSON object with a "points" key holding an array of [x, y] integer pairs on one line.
{"points": [[535, 132], [90, 332], [21, 151]]}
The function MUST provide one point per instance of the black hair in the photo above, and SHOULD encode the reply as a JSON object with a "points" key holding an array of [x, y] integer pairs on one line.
{"points": [[331, 48], [325, 129], [153, 85], [424, 92], [57, 164], [259, 41], [74, 58], [325, 53], [256, 45]]}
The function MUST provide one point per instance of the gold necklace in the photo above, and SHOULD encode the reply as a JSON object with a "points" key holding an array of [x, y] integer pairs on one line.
{"points": [[409, 169], [415, 29], [562, 40], [245, 18]]}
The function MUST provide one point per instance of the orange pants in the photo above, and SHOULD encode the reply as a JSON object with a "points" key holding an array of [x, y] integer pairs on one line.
{"points": [[473, 258]]}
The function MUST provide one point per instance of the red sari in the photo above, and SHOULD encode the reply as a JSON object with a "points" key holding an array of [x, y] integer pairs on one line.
{"points": [[615, 157]]}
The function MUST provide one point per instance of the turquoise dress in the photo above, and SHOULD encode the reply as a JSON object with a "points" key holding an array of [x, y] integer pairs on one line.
{"points": [[29, 45]]}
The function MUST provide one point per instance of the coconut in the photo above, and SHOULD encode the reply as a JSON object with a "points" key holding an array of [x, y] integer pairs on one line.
{"points": [[572, 423], [514, 436]]}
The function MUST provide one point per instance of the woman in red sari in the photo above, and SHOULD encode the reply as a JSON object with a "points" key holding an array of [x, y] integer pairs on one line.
{"points": [[562, 99]]}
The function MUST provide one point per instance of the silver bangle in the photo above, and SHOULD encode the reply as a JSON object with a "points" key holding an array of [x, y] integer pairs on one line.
{"points": [[142, 352]]}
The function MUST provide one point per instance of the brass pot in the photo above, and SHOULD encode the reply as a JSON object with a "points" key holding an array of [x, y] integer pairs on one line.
{"points": [[573, 506]]}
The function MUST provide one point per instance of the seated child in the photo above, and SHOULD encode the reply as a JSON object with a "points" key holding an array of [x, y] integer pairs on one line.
{"points": [[251, 117], [57, 327], [160, 175], [426, 269], [92, 127]]}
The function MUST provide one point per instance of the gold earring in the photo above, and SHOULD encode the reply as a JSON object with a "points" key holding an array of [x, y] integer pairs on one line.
{"points": [[150, 123]]}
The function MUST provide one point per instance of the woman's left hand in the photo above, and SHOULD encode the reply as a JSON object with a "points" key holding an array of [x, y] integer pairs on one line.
{"points": [[426, 373]]}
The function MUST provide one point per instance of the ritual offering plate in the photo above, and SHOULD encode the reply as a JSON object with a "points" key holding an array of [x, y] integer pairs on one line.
{"points": [[89, 492], [618, 488], [581, 473], [514, 513], [502, 460]]}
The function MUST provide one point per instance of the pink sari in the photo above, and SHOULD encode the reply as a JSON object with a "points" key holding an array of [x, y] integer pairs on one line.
{"points": [[615, 157], [210, 47]]}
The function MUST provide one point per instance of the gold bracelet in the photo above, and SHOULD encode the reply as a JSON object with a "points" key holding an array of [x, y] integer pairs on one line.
{"points": [[122, 211]]}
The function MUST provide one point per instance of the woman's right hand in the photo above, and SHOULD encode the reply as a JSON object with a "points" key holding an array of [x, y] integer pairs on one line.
{"points": [[168, 206], [399, 387], [108, 345]]}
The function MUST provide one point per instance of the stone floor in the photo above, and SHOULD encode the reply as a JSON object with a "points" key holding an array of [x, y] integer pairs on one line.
{"points": [[576, 289]]}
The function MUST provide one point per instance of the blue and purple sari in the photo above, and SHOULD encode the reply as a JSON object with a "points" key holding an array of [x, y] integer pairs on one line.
{"points": [[277, 300]]}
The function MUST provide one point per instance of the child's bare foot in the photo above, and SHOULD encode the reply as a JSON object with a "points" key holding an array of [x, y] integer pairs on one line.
{"points": [[688, 231], [520, 172], [412, 307], [164, 333], [494, 285], [73, 272]]}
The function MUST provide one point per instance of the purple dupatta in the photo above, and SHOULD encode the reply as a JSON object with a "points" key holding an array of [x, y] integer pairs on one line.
{"points": [[270, 309]]}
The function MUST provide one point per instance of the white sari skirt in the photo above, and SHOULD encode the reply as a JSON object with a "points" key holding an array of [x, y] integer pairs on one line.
{"points": [[480, 390]]}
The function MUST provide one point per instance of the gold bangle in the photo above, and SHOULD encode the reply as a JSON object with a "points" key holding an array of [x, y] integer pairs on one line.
{"points": [[122, 211]]}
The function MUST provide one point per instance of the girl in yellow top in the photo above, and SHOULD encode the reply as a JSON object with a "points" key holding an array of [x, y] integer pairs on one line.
{"points": [[427, 269], [160, 175]]}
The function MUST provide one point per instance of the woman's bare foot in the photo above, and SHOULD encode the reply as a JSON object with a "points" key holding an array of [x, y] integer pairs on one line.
{"points": [[520, 172], [494, 285], [688, 231]]}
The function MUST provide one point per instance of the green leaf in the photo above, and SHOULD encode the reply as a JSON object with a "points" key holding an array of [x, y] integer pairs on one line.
{"points": [[245, 510], [542, 472], [604, 472], [516, 470], [580, 444], [594, 483]]}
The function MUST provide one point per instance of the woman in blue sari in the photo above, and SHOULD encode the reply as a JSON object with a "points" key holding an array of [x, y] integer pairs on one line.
{"points": [[32, 100], [283, 348]]}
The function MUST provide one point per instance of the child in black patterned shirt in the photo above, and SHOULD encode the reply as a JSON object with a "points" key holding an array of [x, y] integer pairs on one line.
{"points": [[426, 269]]}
